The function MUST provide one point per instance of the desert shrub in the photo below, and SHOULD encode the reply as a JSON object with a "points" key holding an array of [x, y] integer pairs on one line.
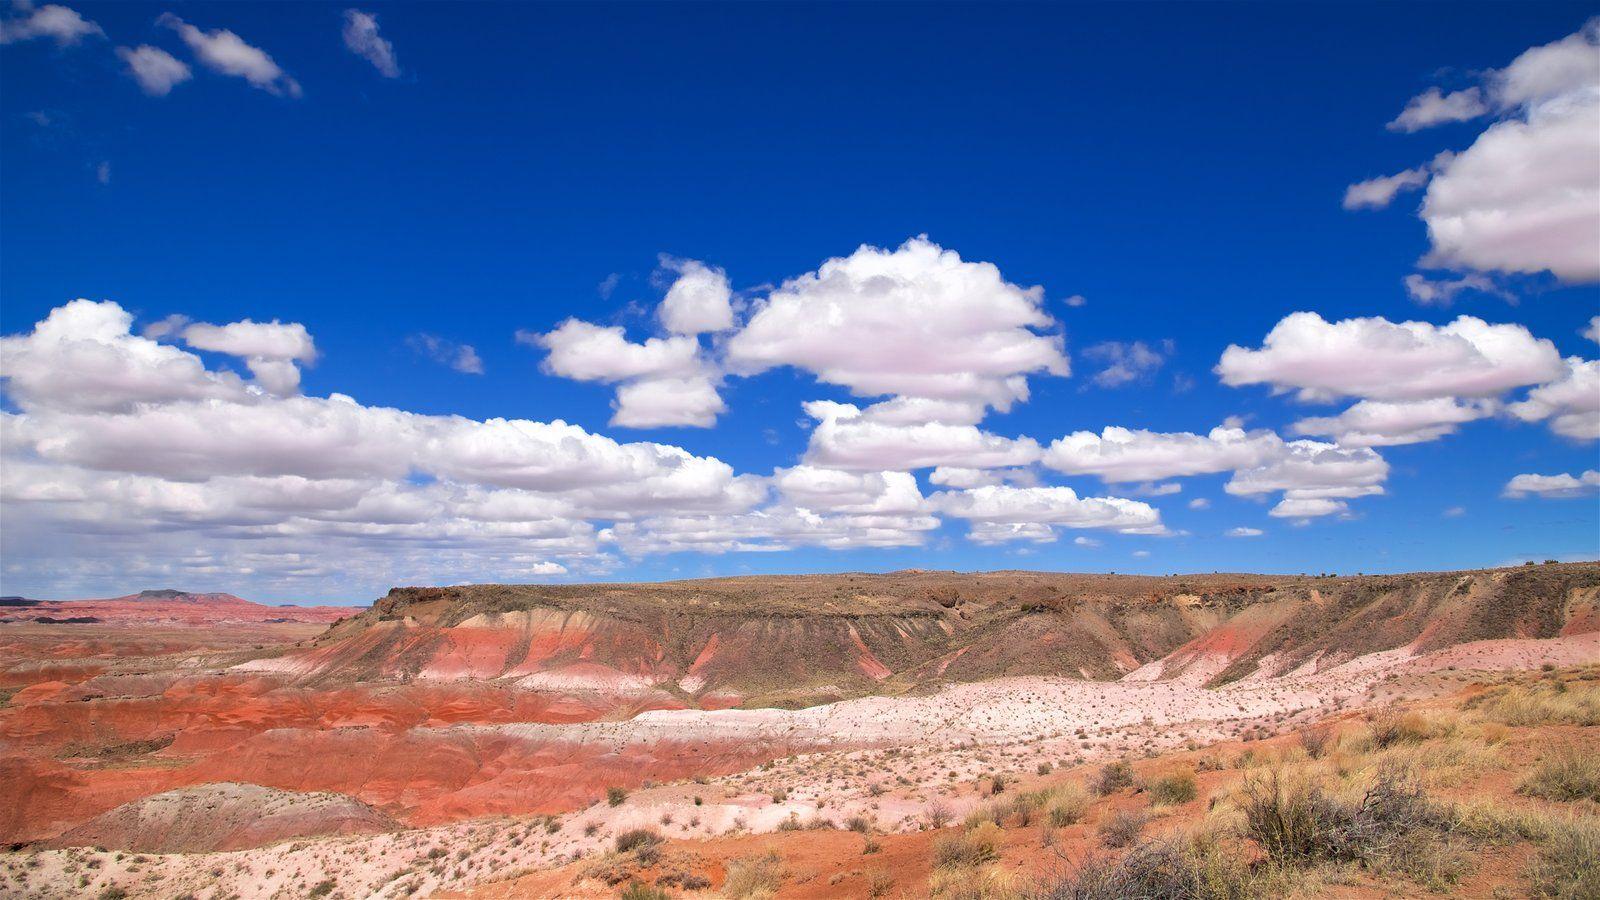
{"points": [[1567, 774], [858, 823], [1066, 805], [968, 849], [615, 795], [1394, 827], [1044, 768], [1179, 869], [752, 877], [1568, 864], [638, 890], [634, 838], [1174, 788], [1113, 777], [879, 883], [322, 888], [612, 868], [1122, 827], [686, 880], [937, 815], [1292, 819], [1317, 740]]}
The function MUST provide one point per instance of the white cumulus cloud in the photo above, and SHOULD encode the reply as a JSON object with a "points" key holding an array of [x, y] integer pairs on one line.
{"points": [[1007, 512], [1377, 359], [1433, 107], [1524, 197], [361, 37], [156, 70], [1570, 404], [917, 321], [699, 300], [1376, 193], [226, 53], [1554, 486], [58, 23]]}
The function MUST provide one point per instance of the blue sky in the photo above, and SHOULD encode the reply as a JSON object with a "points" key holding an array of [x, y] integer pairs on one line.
{"points": [[1181, 168]]}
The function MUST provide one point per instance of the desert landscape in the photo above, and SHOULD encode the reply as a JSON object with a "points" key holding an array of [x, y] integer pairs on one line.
{"points": [[906, 734], [961, 450]]}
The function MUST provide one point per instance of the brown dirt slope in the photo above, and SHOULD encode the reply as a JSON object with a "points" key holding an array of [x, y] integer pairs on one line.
{"points": [[224, 816]]}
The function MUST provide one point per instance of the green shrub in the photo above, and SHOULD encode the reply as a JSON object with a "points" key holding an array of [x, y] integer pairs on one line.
{"points": [[615, 795]]}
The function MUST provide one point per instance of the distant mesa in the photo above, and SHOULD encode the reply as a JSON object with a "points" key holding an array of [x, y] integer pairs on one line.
{"points": [[167, 606]]}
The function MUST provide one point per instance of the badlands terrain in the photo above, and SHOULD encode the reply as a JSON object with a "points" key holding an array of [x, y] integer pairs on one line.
{"points": [[911, 734]]}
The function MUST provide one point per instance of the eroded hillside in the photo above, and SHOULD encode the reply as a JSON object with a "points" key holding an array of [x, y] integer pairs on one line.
{"points": [[438, 705], [807, 639]]}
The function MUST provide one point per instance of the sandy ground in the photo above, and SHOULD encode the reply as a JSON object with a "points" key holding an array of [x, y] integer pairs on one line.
{"points": [[884, 759]]}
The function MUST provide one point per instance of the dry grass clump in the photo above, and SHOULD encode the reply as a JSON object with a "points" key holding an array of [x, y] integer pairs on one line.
{"points": [[754, 877], [985, 883], [638, 890], [1391, 728], [1174, 788], [964, 865], [1188, 868], [1566, 775], [1568, 864], [1121, 828], [1446, 761], [968, 849], [1066, 805], [1550, 702]]}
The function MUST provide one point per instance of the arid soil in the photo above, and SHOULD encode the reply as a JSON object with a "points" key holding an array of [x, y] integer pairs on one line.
{"points": [[449, 737]]}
